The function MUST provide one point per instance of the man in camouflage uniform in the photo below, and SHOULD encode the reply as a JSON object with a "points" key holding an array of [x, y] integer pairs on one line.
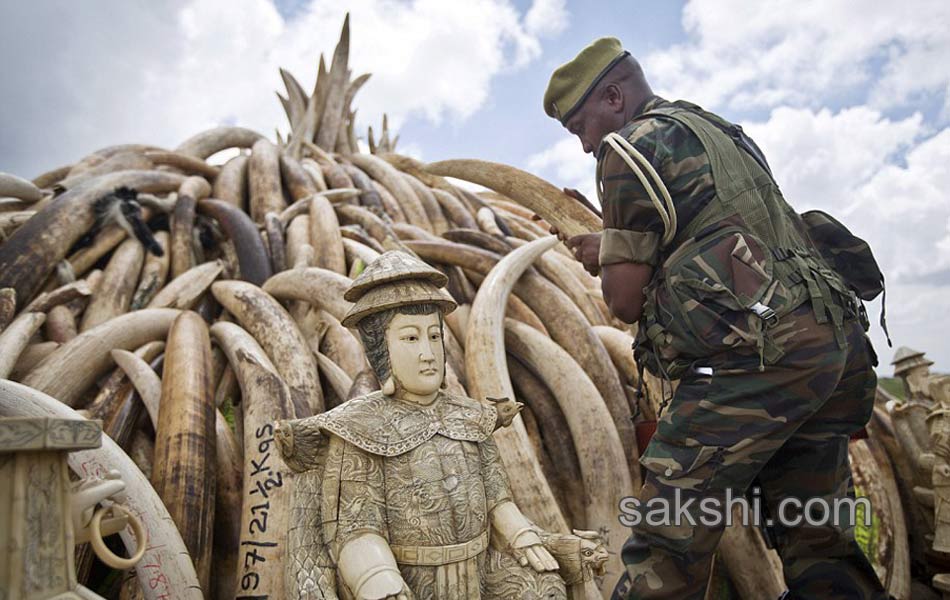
{"points": [[774, 368]]}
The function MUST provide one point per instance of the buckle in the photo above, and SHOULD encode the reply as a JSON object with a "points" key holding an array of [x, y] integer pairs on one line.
{"points": [[765, 313]]}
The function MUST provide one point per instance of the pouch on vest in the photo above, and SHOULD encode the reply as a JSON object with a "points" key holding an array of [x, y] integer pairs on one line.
{"points": [[712, 295], [849, 256]]}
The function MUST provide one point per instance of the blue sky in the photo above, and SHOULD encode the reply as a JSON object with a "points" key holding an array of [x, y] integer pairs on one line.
{"points": [[513, 125], [849, 100]]}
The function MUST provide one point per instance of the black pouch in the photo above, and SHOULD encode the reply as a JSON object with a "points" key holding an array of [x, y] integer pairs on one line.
{"points": [[849, 256], [846, 253]]}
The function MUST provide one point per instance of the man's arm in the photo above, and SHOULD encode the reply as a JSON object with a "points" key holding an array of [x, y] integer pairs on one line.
{"points": [[630, 242], [622, 284]]}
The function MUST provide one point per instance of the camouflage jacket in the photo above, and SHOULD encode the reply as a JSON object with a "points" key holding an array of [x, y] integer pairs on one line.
{"points": [[740, 258], [632, 226]]}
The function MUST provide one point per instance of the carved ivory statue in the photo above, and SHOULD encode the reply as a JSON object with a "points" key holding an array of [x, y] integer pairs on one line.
{"points": [[400, 493], [43, 514]]}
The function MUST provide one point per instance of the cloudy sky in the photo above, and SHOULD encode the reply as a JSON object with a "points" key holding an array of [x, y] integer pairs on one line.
{"points": [[849, 99]]}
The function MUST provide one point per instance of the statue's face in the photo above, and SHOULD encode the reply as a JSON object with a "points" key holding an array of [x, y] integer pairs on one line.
{"points": [[416, 354]]}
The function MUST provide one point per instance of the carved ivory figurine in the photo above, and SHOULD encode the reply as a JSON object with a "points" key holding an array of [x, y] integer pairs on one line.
{"points": [[400, 493], [43, 514]]}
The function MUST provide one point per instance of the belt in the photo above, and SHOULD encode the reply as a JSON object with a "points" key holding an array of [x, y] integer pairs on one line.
{"points": [[431, 556]]}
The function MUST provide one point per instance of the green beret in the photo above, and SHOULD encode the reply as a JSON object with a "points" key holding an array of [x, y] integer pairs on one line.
{"points": [[573, 81]]}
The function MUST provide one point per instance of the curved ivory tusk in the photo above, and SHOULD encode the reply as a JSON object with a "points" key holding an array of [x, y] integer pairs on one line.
{"points": [[31, 356], [417, 169], [252, 255], [154, 273], [485, 217], [74, 366], [565, 280], [357, 251], [395, 183], [340, 175], [263, 176], [316, 174], [270, 324], [557, 208], [325, 236], [299, 252], [429, 204], [183, 473], [185, 290], [214, 140], [227, 510], [51, 177], [335, 376], [189, 165], [7, 306], [15, 339], [357, 215], [146, 382], [121, 161], [265, 399], [599, 451], [340, 344], [487, 375], [61, 295], [166, 561], [319, 287], [231, 183], [302, 206], [182, 223], [31, 253], [296, 180], [567, 479], [114, 293], [275, 242], [454, 209]]}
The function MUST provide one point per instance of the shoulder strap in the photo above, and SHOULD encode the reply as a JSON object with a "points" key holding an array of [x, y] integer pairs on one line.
{"points": [[733, 131]]}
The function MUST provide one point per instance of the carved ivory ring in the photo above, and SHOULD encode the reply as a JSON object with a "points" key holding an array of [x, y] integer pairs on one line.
{"points": [[103, 552]]}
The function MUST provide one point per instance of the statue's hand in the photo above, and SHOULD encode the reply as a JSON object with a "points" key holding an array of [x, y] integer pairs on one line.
{"points": [[529, 550], [386, 585]]}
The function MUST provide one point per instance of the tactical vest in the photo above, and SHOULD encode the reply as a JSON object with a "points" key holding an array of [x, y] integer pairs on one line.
{"points": [[741, 264]]}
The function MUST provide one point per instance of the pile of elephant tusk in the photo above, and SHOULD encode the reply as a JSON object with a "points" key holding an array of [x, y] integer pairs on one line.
{"points": [[194, 310]]}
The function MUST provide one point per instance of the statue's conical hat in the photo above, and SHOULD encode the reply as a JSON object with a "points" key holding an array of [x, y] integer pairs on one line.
{"points": [[904, 353], [391, 266], [906, 359], [395, 279]]}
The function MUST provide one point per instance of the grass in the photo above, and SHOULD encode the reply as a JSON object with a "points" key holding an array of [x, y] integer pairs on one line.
{"points": [[892, 385]]}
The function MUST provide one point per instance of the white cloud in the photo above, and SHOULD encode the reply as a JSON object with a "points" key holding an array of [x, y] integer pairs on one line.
{"points": [[131, 72], [746, 54], [819, 156], [546, 17]]}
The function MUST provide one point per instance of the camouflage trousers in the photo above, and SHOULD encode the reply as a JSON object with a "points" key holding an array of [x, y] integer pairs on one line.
{"points": [[787, 427]]}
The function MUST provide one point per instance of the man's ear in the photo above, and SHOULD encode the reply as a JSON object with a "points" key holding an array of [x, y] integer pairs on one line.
{"points": [[613, 96]]}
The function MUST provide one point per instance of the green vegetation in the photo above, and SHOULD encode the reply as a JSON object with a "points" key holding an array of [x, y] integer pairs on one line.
{"points": [[892, 385]]}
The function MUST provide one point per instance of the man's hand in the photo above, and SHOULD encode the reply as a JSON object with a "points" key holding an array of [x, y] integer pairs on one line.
{"points": [[586, 249]]}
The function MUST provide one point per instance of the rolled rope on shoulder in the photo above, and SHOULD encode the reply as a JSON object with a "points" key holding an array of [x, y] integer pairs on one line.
{"points": [[631, 156]]}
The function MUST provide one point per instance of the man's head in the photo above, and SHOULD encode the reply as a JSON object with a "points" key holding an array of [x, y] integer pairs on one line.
{"points": [[597, 92]]}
